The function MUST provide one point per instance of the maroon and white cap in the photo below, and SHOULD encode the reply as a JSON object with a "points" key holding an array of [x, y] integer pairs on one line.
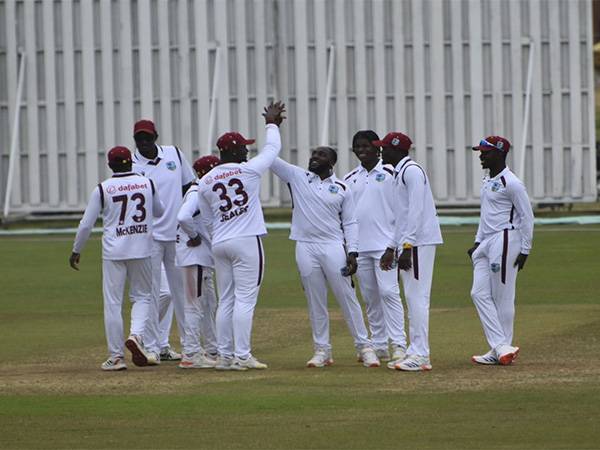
{"points": [[144, 126], [119, 155], [493, 143], [395, 139], [206, 163], [232, 140]]}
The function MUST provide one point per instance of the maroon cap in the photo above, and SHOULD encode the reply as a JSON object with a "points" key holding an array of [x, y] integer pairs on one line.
{"points": [[395, 139], [493, 143], [232, 140], [144, 126], [204, 164], [119, 155]]}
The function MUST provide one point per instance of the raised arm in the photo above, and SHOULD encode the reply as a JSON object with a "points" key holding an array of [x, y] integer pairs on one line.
{"points": [[273, 117], [284, 170], [92, 211]]}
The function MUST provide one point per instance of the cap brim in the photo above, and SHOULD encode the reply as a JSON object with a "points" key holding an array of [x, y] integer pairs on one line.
{"points": [[378, 143], [143, 130], [249, 141], [481, 148]]}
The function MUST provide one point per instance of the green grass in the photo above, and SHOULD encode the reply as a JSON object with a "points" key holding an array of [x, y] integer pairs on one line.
{"points": [[53, 395]]}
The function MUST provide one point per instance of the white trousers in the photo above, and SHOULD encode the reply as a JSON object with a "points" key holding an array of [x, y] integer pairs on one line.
{"points": [[318, 265], [165, 313], [417, 290], [114, 275], [239, 264], [164, 252], [381, 294], [200, 310], [494, 281]]}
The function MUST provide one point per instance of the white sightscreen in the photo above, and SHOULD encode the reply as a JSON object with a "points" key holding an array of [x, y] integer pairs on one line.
{"points": [[445, 72]]}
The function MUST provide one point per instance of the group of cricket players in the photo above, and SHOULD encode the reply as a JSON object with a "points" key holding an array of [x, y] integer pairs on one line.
{"points": [[171, 229]]}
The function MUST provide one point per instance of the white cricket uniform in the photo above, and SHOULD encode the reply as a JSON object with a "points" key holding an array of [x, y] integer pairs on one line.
{"points": [[324, 228], [170, 172], [373, 193], [416, 224], [128, 203], [505, 230], [198, 269], [229, 202]]}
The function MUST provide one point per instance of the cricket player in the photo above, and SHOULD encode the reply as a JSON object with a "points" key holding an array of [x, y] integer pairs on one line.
{"points": [[373, 188], [326, 234], [417, 233], [128, 204], [196, 259], [502, 244], [228, 198], [172, 175]]}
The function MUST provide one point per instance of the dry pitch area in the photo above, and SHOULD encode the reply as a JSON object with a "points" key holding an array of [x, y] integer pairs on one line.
{"points": [[53, 394]]}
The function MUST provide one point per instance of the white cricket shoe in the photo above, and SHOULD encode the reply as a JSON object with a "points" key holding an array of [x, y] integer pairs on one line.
{"points": [[168, 354], [489, 358], [321, 358], [414, 363], [369, 358], [136, 347], [398, 353], [114, 363], [223, 363], [383, 354], [153, 359], [249, 363], [507, 354], [197, 361], [398, 356]]}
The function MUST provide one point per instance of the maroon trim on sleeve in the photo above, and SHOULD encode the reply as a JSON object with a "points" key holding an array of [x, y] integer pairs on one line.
{"points": [[260, 261], [101, 195], [152, 185], [350, 175], [503, 181], [341, 184], [388, 170], [199, 282], [504, 256], [415, 255], [291, 194], [415, 165]]}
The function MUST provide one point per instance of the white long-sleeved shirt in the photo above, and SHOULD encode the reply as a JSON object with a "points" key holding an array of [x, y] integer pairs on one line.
{"points": [[129, 204], [169, 171], [190, 214], [417, 222], [505, 205], [228, 195], [373, 193], [323, 211]]}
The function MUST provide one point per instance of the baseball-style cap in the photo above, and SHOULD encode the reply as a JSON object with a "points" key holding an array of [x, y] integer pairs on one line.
{"points": [[204, 164], [232, 140], [119, 155], [493, 143], [144, 126], [395, 139]]}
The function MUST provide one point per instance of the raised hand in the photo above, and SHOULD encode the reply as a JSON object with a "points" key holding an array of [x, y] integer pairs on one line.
{"points": [[274, 113]]}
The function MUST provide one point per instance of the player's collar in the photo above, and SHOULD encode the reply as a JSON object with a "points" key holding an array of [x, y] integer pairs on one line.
{"points": [[402, 162], [160, 154], [502, 173], [377, 168], [313, 176], [123, 174]]}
